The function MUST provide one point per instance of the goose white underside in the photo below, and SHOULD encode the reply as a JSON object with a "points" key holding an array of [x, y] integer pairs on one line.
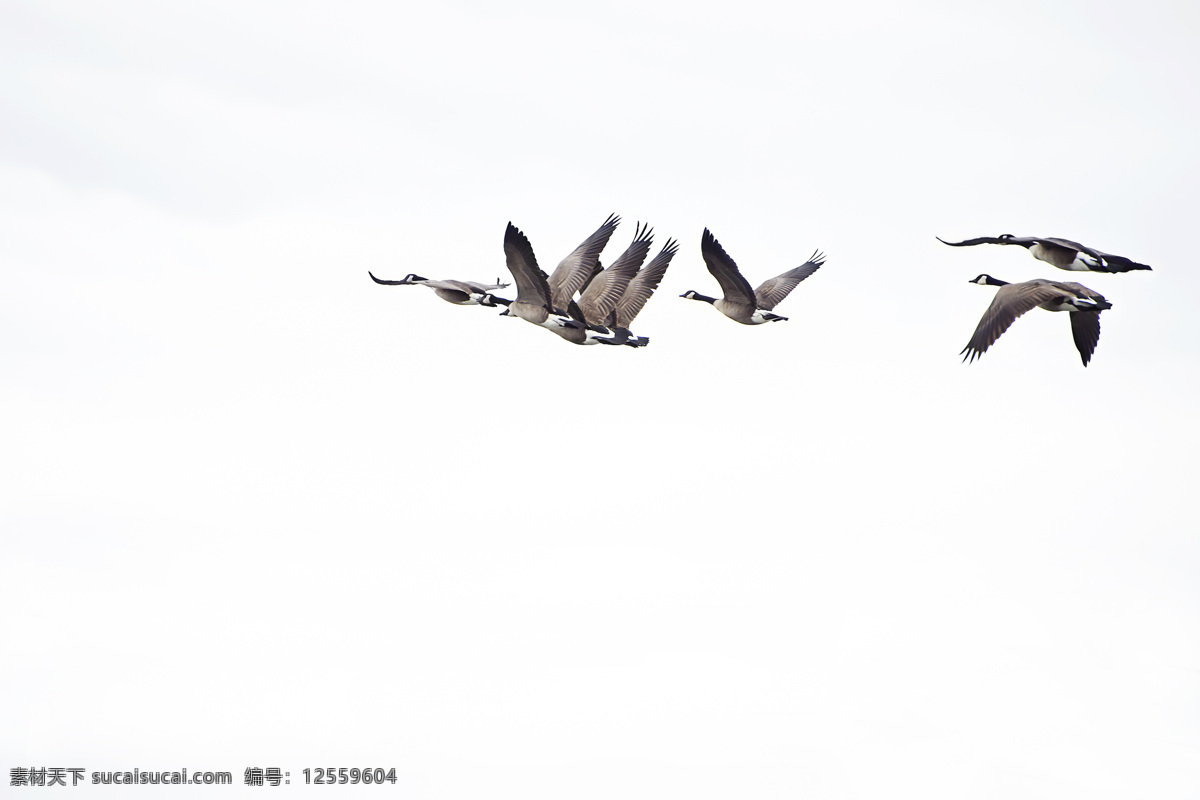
{"points": [[594, 337]]}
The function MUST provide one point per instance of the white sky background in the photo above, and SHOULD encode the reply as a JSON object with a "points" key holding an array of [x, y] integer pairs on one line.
{"points": [[259, 511]]}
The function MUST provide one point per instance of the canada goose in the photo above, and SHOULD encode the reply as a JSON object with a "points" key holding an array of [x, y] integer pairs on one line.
{"points": [[741, 304], [638, 292], [461, 293], [605, 288], [1014, 299], [533, 303], [1061, 253]]}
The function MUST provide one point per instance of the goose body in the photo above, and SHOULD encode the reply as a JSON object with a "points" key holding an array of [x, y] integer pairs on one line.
{"points": [[1061, 253], [741, 303], [461, 293], [1014, 299]]}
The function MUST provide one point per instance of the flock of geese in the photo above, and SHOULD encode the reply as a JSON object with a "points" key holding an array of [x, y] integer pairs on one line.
{"points": [[586, 303], [1014, 299]]}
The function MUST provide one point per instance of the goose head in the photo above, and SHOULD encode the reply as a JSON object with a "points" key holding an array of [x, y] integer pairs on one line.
{"points": [[988, 280], [690, 295]]}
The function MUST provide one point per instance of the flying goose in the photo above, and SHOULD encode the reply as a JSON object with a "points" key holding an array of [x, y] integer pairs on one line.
{"points": [[605, 288], [461, 293], [638, 293], [741, 304], [1014, 299], [1061, 253], [533, 303]]}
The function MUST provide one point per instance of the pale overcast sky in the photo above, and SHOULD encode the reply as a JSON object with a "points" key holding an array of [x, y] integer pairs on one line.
{"points": [[260, 511]]}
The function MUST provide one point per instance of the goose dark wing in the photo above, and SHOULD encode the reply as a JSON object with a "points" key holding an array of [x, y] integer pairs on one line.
{"points": [[644, 284], [736, 288], [1085, 330], [1119, 263], [1010, 302], [773, 290], [1024, 241], [388, 283], [604, 291], [573, 271], [531, 281]]}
